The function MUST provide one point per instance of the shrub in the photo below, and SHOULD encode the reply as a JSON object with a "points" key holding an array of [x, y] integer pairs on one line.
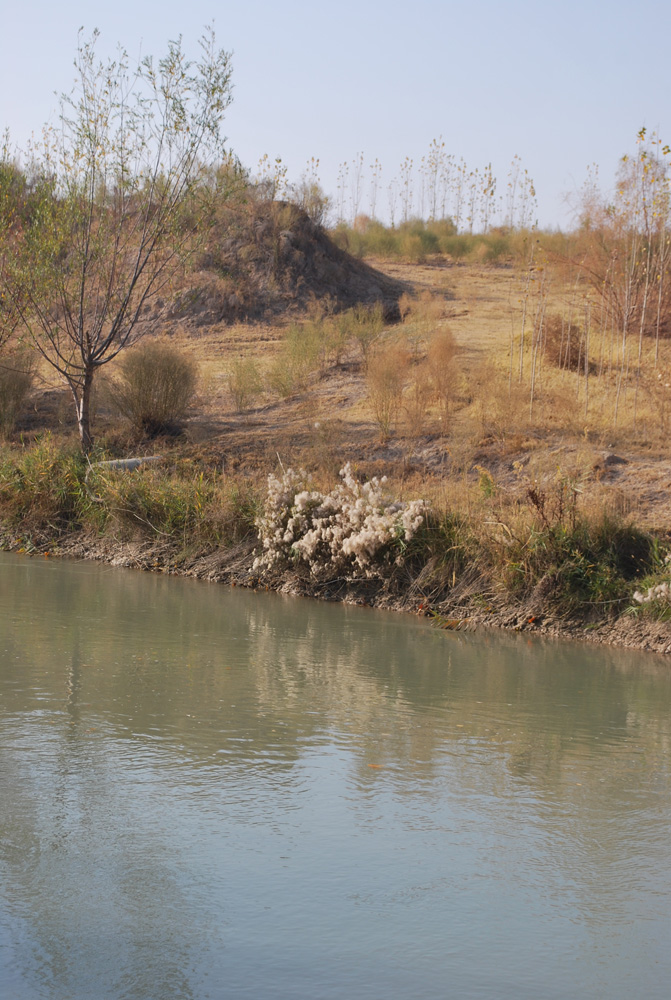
{"points": [[497, 248], [441, 354], [245, 383], [16, 381], [365, 324], [458, 246], [155, 387], [386, 376], [353, 530], [301, 355]]}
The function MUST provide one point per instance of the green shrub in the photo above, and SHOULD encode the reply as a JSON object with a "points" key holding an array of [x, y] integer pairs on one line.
{"points": [[43, 488], [245, 383], [458, 247], [365, 324], [301, 355], [497, 248], [156, 384]]}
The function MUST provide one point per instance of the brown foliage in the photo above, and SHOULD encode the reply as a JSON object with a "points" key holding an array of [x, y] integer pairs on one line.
{"points": [[155, 388]]}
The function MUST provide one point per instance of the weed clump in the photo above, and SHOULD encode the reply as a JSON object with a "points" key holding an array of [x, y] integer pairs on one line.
{"points": [[245, 383], [43, 488], [353, 531], [568, 561], [156, 385], [16, 382]]}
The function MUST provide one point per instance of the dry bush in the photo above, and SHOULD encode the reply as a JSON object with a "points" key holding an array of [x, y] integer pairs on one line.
{"points": [[352, 531], [504, 408], [16, 382], [428, 308], [565, 344], [155, 387], [386, 376], [442, 368], [365, 325], [405, 304], [424, 312], [245, 383], [300, 357], [418, 399]]}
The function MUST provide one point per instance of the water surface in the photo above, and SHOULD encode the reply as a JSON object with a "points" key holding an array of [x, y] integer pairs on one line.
{"points": [[208, 793]]}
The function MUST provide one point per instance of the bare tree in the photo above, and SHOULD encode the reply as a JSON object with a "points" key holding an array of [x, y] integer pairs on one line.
{"points": [[126, 198]]}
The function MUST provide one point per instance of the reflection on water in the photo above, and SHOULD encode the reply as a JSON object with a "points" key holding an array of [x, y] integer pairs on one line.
{"points": [[211, 793]]}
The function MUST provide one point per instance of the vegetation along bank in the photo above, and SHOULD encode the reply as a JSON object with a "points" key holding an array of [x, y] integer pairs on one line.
{"points": [[455, 415]]}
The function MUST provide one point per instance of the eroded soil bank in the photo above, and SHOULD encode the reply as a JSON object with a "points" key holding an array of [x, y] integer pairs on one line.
{"points": [[465, 610]]}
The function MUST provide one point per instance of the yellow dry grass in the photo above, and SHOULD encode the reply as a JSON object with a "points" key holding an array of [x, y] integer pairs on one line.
{"points": [[489, 421]]}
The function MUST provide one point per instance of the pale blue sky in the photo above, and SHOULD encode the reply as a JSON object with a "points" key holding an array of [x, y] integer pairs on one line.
{"points": [[562, 85]]}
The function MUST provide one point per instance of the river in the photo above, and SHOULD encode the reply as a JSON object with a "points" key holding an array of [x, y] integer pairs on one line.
{"points": [[211, 793]]}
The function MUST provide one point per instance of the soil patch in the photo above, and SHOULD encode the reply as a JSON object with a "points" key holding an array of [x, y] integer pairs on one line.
{"points": [[271, 260]]}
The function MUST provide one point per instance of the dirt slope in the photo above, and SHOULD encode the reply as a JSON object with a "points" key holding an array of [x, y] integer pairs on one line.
{"points": [[270, 259]]}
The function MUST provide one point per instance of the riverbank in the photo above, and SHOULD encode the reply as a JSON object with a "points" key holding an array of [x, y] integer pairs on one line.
{"points": [[558, 574], [230, 567], [543, 514]]}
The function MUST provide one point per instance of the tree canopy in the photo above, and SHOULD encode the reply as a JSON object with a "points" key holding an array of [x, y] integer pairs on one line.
{"points": [[113, 202]]}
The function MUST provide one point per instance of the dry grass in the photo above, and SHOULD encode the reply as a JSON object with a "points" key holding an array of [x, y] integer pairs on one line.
{"points": [[386, 376], [16, 382], [155, 386], [460, 333]]}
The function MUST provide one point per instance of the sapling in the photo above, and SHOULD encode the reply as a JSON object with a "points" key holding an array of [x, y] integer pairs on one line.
{"points": [[405, 171], [123, 207], [356, 186], [341, 188], [376, 180]]}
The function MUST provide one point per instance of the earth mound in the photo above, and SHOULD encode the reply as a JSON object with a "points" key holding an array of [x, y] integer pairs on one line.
{"points": [[270, 258]]}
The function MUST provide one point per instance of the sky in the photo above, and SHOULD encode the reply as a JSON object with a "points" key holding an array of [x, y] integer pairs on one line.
{"points": [[562, 85]]}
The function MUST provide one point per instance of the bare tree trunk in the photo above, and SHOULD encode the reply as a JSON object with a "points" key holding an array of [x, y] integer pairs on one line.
{"points": [[82, 396], [641, 328], [537, 343], [588, 323]]}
